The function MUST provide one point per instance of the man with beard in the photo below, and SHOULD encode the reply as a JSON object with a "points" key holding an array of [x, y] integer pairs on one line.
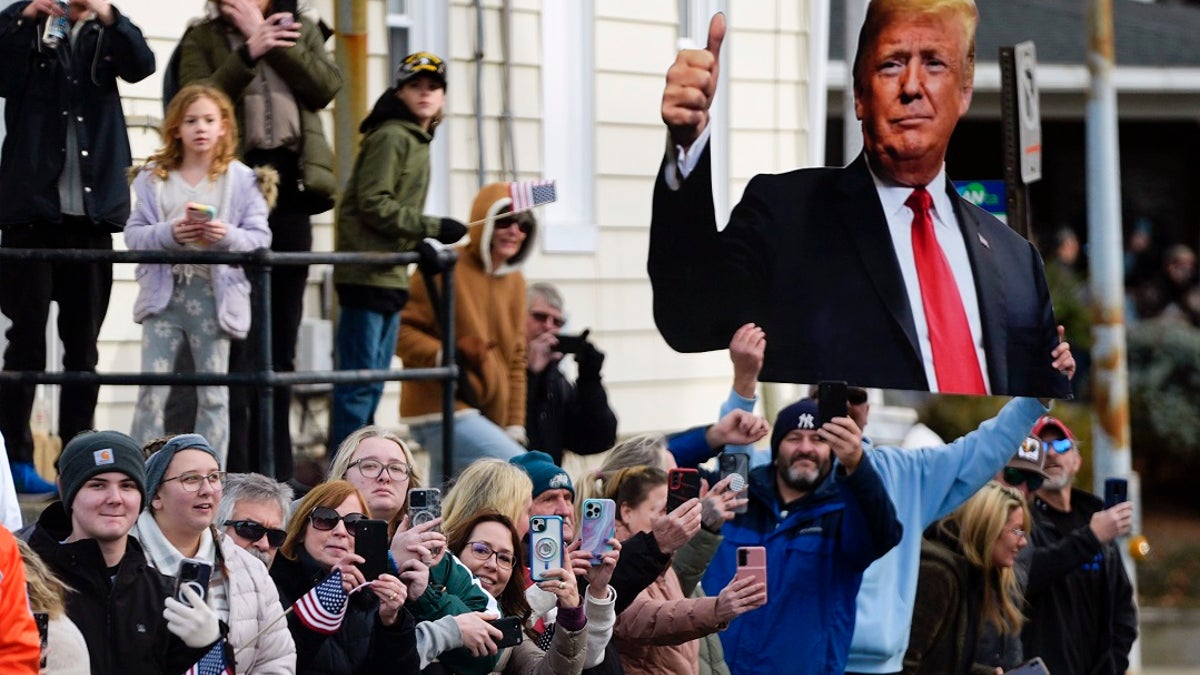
{"points": [[252, 511], [821, 512], [1083, 621]]}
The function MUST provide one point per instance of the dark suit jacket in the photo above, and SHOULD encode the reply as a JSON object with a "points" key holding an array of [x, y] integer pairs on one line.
{"points": [[808, 257]]}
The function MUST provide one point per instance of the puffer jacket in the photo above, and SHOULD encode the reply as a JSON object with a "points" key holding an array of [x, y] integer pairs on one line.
{"points": [[205, 56], [40, 102], [244, 207], [689, 563], [564, 657], [658, 633], [253, 606], [489, 309]]}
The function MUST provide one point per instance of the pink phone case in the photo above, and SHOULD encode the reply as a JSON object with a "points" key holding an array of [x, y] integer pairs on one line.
{"points": [[752, 562]]}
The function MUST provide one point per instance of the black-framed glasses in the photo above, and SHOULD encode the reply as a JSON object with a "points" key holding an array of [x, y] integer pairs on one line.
{"points": [[543, 317], [1014, 477], [372, 468], [252, 530], [482, 552], [324, 518], [191, 480], [1060, 446]]}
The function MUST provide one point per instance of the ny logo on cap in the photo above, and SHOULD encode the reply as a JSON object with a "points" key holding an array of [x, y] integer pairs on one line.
{"points": [[805, 421], [102, 457]]}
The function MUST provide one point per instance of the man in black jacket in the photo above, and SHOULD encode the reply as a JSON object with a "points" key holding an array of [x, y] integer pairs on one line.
{"points": [[62, 186], [1084, 621], [560, 414], [119, 599]]}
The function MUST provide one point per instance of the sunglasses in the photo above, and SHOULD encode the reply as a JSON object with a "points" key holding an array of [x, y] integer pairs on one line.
{"points": [[252, 530], [324, 519], [543, 317], [1060, 446], [1015, 477], [505, 223]]}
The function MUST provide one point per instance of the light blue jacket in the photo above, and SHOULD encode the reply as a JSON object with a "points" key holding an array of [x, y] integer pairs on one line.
{"points": [[738, 402], [243, 207], [925, 484]]}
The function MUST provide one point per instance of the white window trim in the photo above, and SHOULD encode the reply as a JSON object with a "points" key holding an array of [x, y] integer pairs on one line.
{"points": [[569, 125], [429, 31]]}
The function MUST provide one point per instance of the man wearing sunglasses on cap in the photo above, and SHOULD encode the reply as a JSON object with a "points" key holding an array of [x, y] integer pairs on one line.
{"points": [[561, 414], [252, 511], [1082, 618]]}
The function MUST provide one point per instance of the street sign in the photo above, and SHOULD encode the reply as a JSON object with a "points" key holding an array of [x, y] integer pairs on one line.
{"points": [[1029, 127]]}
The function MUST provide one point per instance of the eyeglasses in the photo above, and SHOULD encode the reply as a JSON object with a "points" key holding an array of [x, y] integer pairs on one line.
{"points": [[482, 552], [1015, 477], [503, 223], [373, 468], [543, 317], [1060, 446], [192, 479], [325, 519], [1018, 533], [252, 530]]}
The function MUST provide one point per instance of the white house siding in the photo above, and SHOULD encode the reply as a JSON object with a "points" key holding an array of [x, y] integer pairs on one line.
{"points": [[652, 388]]}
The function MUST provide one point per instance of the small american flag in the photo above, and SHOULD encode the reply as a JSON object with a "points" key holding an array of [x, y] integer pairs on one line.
{"points": [[528, 194], [212, 663], [323, 608]]}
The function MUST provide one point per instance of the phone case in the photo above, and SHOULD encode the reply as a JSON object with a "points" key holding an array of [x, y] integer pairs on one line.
{"points": [[201, 212], [736, 464], [545, 545], [752, 562], [370, 542], [424, 504], [511, 627], [599, 525], [1116, 490], [682, 485], [831, 400], [1034, 666], [194, 573]]}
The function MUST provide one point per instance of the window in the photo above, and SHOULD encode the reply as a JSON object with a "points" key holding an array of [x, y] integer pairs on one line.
{"points": [[399, 27], [421, 25]]}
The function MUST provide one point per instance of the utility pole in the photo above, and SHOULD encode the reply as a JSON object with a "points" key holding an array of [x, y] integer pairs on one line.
{"points": [[1110, 377]]}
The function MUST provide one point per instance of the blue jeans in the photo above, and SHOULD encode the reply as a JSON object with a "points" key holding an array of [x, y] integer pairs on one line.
{"points": [[475, 437], [365, 340]]}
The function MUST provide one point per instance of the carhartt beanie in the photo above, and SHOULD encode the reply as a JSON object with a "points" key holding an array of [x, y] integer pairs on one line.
{"points": [[95, 452], [157, 464]]}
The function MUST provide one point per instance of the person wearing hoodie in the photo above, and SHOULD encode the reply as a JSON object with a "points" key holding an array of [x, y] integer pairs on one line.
{"points": [[380, 211], [489, 316]]}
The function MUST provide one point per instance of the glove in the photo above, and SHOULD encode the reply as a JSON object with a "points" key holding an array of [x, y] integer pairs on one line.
{"points": [[589, 359], [195, 622], [517, 433], [431, 262], [450, 231]]}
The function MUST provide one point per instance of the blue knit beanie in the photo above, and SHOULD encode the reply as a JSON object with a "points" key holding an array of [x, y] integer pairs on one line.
{"points": [[545, 474]]}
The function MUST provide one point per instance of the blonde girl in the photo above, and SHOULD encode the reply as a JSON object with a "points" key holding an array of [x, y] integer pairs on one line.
{"points": [[206, 305]]}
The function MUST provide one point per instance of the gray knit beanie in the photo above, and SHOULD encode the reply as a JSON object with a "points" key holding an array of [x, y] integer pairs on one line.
{"points": [[95, 452]]}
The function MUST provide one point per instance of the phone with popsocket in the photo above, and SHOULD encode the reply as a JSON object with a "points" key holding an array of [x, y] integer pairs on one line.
{"points": [[194, 574], [736, 464], [545, 546]]}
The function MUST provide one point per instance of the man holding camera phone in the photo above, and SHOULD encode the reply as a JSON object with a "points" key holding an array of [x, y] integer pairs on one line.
{"points": [[85, 537], [560, 414]]}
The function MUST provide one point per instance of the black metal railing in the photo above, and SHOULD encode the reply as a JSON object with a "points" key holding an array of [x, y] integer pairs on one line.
{"points": [[258, 264]]}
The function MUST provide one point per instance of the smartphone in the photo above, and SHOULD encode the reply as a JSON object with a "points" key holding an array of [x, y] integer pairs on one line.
{"points": [[736, 464], [511, 627], [371, 542], [193, 573], [1116, 490], [424, 504], [1034, 666], [545, 545], [752, 562], [831, 400], [571, 344], [599, 525], [201, 213], [288, 6], [682, 485]]}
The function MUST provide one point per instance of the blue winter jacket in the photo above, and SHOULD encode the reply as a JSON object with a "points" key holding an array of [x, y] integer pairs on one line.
{"points": [[816, 554]]}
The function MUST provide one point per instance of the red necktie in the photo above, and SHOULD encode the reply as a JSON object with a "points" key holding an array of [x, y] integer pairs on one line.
{"points": [[954, 360]]}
